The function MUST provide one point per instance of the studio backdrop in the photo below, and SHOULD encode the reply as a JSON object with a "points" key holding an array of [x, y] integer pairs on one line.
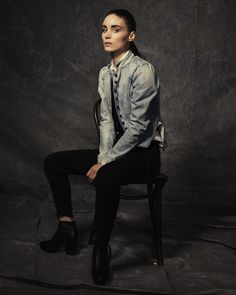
{"points": [[50, 56]]}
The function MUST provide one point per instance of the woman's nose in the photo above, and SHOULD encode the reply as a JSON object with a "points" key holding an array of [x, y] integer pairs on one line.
{"points": [[107, 35]]}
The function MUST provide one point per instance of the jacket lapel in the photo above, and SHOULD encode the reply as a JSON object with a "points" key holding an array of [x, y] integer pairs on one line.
{"points": [[107, 86]]}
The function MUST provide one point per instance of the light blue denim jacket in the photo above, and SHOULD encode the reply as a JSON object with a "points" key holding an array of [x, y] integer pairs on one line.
{"points": [[136, 94]]}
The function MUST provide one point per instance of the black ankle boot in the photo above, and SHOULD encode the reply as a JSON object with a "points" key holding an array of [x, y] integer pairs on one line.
{"points": [[65, 238], [100, 265]]}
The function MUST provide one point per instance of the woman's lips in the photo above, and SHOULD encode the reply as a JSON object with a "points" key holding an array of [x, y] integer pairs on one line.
{"points": [[107, 44]]}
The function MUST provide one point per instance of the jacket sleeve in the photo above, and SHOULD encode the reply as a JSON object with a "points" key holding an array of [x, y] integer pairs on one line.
{"points": [[106, 125], [143, 105]]}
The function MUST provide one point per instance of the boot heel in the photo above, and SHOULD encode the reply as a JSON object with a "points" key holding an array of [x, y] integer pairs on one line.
{"points": [[71, 246]]}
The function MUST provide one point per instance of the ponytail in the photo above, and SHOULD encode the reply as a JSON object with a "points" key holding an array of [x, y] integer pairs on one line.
{"points": [[135, 50]]}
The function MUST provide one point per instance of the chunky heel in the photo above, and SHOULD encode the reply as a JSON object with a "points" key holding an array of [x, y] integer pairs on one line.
{"points": [[71, 246]]}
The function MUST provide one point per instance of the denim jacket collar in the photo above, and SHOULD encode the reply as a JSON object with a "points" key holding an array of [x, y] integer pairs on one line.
{"points": [[124, 61], [114, 66]]}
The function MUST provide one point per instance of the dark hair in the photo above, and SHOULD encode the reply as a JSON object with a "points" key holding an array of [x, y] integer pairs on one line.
{"points": [[131, 25]]}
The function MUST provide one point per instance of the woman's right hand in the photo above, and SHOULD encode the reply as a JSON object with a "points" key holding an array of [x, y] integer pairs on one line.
{"points": [[91, 174]]}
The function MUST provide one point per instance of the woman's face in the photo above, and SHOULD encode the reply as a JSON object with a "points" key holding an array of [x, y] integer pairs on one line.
{"points": [[115, 34]]}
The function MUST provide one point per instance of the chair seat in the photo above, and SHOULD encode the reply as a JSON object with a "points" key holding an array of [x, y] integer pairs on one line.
{"points": [[153, 179], [159, 179]]}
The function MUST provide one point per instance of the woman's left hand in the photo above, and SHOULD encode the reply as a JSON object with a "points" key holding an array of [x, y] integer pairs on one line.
{"points": [[93, 172]]}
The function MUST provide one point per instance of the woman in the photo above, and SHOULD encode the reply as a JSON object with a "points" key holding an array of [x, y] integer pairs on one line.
{"points": [[128, 150]]}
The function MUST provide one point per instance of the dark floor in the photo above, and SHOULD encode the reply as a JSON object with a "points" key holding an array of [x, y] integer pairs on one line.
{"points": [[199, 240]]}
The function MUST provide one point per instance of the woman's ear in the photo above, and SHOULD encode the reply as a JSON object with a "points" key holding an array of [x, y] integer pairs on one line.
{"points": [[132, 36]]}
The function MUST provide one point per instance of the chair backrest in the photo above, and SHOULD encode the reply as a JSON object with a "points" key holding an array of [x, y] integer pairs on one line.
{"points": [[96, 114]]}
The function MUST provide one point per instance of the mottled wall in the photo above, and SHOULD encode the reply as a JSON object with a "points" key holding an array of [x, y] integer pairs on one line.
{"points": [[50, 56]]}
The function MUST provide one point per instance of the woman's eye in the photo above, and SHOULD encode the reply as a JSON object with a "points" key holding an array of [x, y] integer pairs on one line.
{"points": [[115, 30]]}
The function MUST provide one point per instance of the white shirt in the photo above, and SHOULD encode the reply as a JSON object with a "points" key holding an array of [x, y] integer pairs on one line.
{"points": [[113, 66]]}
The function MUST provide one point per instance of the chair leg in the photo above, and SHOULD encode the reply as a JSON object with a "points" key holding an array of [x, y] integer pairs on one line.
{"points": [[92, 232], [155, 204], [158, 222], [151, 210], [152, 206]]}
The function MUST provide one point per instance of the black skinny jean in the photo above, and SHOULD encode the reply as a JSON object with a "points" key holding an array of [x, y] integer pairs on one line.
{"points": [[133, 166]]}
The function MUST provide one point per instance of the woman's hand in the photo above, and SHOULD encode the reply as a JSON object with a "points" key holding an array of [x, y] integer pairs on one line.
{"points": [[93, 172]]}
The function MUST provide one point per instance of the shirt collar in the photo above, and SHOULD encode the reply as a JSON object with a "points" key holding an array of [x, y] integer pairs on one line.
{"points": [[113, 66]]}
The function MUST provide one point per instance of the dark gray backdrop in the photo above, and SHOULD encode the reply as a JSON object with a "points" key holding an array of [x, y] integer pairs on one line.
{"points": [[50, 56]]}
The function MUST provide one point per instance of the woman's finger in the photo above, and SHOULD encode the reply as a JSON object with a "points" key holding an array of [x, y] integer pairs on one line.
{"points": [[91, 178], [89, 172]]}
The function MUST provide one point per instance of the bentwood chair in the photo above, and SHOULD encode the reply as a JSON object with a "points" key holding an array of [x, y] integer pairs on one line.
{"points": [[154, 195]]}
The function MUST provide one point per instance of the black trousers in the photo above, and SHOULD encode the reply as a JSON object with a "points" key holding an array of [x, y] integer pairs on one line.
{"points": [[133, 166]]}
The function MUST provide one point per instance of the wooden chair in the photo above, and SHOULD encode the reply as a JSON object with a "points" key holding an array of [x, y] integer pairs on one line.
{"points": [[154, 196]]}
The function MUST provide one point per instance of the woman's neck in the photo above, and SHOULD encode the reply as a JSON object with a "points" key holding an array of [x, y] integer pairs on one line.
{"points": [[116, 56]]}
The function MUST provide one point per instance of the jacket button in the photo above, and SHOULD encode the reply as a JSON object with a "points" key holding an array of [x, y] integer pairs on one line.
{"points": [[115, 81], [115, 75]]}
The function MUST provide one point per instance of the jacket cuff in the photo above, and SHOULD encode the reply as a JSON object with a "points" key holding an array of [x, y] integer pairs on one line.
{"points": [[100, 157], [105, 160]]}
